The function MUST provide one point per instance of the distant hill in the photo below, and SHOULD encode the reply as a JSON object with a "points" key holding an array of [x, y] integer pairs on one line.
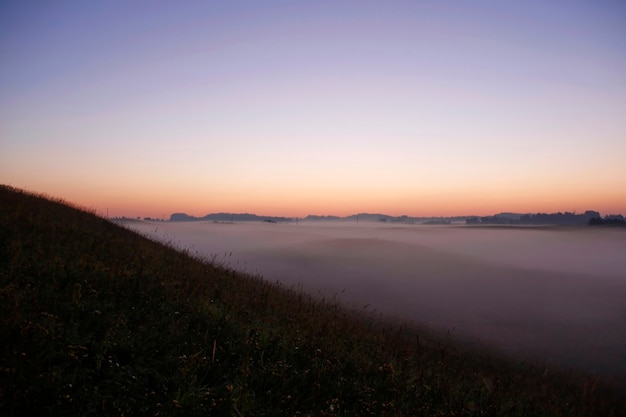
{"points": [[508, 215], [363, 217], [227, 217], [313, 217], [504, 218]]}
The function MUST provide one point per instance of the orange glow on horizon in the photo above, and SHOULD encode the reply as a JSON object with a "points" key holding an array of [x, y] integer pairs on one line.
{"points": [[120, 203]]}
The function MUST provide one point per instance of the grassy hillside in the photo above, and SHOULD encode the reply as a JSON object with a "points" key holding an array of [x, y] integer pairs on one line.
{"points": [[97, 320]]}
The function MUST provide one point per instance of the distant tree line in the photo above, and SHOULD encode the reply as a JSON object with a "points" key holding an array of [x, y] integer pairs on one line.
{"points": [[491, 220], [609, 220], [559, 218]]}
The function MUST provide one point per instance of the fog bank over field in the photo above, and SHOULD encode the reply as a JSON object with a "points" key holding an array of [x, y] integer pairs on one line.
{"points": [[557, 294]]}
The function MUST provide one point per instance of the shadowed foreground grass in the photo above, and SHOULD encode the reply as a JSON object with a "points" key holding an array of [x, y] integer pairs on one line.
{"points": [[98, 320]]}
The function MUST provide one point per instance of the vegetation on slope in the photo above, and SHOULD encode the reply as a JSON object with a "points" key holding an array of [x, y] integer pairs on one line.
{"points": [[98, 320]]}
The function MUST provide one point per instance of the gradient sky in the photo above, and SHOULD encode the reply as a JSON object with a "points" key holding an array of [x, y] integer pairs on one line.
{"points": [[294, 108]]}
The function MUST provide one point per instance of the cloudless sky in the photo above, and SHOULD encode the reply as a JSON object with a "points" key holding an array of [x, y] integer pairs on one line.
{"points": [[294, 108]]}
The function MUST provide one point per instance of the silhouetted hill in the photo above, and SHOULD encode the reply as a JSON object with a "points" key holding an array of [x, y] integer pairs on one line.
{"points": [[505, 218], [314, 217], [509, 215], [227, 217], [182, 217]]}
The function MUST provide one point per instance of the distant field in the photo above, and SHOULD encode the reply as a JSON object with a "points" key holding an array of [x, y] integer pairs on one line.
{"points": [[552, 293]]}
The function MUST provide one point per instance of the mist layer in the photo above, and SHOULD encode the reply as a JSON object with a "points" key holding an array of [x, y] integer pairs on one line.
{"points": [[552, 294]]}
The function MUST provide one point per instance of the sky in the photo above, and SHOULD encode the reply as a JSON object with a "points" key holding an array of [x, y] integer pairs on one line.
{"points": [[424, 108]]}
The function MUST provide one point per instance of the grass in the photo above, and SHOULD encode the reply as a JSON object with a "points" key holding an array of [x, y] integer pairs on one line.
{"points": [[96, 320]]}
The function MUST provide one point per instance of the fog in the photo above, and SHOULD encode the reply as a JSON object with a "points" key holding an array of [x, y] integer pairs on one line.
{"points": [[553, 294]]}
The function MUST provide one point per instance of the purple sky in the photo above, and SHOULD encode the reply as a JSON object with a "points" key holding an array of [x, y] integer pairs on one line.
{"points": [[289, 108]]}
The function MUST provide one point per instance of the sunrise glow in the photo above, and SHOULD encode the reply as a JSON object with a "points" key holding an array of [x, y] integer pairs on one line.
{"points": [[276, 108]]}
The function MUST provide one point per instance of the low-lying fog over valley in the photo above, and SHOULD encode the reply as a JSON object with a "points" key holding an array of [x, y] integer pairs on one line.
{"points": [[551, 293]]}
